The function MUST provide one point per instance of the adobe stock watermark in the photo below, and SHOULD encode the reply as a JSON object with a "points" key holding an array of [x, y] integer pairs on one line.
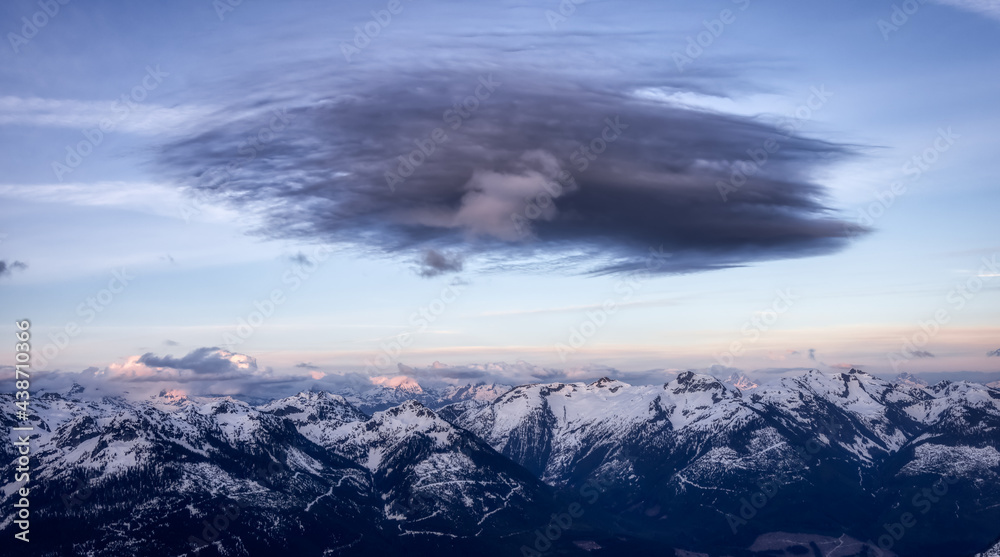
{"points": [[542, 204], [760, 323], [454, 117], [215, 527], [33, 24], [419, 321], [595, 319], [304, 266], [769, 489], [565, 9], [923, 501], [714, 28], [913, 169], [225, 7], [402, 511], [583, 156], [77, 495], [122, 108], [249, 149], [899, 17], [88, 309], [957, 298], [365, 33], [560, 523], [759, 156]]}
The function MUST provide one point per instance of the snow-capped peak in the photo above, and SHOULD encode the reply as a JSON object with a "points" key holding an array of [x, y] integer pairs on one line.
{"points": [[611, 384], [173, 397], [399, 382], [408, 408], [910, 380], [741, 381], [690, 382]]}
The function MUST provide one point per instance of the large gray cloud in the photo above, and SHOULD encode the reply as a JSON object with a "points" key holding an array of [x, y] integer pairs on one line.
{"points": [[402, 162]]}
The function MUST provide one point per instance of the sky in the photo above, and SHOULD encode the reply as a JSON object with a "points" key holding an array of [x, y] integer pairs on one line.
{"points": [[233, 194]]}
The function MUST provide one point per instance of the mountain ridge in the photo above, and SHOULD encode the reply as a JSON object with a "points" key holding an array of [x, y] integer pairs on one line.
{"points": [[677, 464]]}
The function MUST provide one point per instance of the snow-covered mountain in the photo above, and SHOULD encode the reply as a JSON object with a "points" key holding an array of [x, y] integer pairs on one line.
{"points": [[910, 380], [316, 414], [392, 391], [991, 552], [694, 464], [741, 381], [436, 477], [114, 476], [696, 448], [297, 475]]}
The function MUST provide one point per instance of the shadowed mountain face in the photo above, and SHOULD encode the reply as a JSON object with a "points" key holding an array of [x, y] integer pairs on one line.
{"points": [[819, 464]]}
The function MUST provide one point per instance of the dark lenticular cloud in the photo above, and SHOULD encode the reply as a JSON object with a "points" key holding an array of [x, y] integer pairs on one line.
{"points": [[503, 175]]}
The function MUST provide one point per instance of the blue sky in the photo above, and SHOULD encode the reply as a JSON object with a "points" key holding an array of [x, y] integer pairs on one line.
{"points": [[775, 271]]}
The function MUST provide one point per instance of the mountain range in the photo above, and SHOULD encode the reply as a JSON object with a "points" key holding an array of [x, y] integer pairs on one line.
{"points": [[842, 464]]}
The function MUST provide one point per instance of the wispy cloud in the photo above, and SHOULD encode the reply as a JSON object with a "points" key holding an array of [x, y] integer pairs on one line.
{"points": [[567, 309], [989, 8], [144, 197], [145, 119]]}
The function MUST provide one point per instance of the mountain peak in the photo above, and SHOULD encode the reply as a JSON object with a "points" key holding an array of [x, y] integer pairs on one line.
{"points": [[607, 383], [689, 381], [399, 382], [910, 380], [172, 397], [413, 407], [317, 395], [741, 381], [227, 405]]}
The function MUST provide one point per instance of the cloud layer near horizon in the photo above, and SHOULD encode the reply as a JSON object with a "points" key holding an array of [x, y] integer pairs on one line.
{"points": [[211, 371], [490, 164]]}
